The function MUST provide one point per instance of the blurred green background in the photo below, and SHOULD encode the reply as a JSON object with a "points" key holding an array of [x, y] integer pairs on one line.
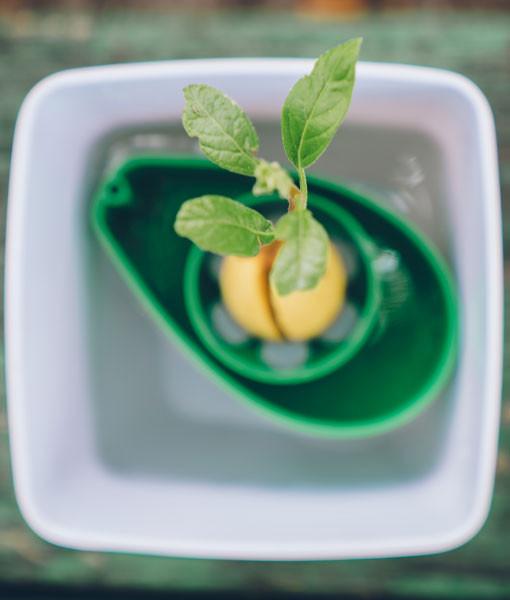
{"points": [[39, 37]]}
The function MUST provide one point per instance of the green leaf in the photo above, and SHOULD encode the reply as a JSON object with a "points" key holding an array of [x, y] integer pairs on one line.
{"points": [[318, 103], [224, 226], [226, 134], [301, 262]]}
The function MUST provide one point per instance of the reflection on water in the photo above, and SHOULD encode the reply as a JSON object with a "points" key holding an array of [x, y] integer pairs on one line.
{"points": [[411, 196], [226, 327], [395, 285], [284, 355], [342, 326]]}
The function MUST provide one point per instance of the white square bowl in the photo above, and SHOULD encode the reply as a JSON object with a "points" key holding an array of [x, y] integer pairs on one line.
{"points": [[118, 443]]}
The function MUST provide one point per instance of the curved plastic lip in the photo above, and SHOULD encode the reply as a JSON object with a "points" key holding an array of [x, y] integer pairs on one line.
{"points": [[17, 389]]}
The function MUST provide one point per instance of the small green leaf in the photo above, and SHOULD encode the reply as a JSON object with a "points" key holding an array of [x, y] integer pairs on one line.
{"points": [[224, 226], [318, 103], [226, 134], [301, 262], [271, 176]]}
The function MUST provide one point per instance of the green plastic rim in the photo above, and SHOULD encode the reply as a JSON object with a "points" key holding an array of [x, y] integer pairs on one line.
{"points": [[417, 403], [338, 354]]}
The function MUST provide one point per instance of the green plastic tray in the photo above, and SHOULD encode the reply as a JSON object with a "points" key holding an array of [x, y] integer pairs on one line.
{"points": [[388, 382]]}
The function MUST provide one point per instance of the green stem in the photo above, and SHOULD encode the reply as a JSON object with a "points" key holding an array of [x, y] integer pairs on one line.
{"points": [[303, 186]]}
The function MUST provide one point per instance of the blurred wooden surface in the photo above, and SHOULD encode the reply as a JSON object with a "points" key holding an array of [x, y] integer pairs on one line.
{"points": [[33, 45]]}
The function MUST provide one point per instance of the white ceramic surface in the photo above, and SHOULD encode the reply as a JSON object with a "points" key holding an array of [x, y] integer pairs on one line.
{"points": [[119, 444]]}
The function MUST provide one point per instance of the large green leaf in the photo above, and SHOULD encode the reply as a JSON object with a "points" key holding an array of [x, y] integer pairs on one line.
{"points": [[223, 226], [318, 103], [225, 133], [301, 262]]}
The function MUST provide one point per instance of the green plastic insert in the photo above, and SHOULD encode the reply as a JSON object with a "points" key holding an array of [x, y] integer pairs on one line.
{"points": [[201, 293], [402, 367]]}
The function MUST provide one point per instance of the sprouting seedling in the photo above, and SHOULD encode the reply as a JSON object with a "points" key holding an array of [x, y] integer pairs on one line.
{"points": [[311, 115]]}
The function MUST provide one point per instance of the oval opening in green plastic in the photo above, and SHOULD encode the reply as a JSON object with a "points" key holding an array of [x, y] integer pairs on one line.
{"points": [[202, 295]]}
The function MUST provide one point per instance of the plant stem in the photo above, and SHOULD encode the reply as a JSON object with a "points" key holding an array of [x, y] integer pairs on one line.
{"points": [[303, 186]]}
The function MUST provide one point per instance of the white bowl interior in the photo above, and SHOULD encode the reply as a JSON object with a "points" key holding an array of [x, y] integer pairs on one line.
{"points": [[120, 443]]}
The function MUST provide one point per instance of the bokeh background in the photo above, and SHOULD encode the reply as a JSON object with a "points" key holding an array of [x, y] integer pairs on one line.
{"points": [[38, 37]]}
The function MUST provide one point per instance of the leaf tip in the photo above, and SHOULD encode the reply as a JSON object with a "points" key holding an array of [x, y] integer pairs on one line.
{"points": [[357, 42]]}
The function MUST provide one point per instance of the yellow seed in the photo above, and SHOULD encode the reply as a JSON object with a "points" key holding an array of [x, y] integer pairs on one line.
{"points": [[257, 307], [304, 315], [245, 290]]}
